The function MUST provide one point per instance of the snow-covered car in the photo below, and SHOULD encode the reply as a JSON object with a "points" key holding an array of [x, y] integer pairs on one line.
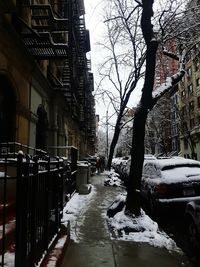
{"points": [[192, 222], [127, 165], [126, 171], [118, 164], [170, 182], [149, 157]]}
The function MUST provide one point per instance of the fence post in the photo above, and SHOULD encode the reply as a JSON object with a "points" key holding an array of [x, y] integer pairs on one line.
{"points": [[19, 256], [33, 211], [74, 158], [58, 193], [4, 210]]}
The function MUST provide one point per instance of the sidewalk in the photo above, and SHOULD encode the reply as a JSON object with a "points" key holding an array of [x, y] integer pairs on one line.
{"points": [[93, 246]]}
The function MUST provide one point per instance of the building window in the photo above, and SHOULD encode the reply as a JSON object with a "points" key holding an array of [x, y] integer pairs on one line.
{"points": [[183, 94], [197, 81], [190, 89], [189, 71], [191, 106], [198, 101], [196, 66]]}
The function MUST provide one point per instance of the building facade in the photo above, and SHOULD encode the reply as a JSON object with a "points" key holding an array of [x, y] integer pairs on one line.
{"points": [[189, 106], [162, 135], [46, 81]]}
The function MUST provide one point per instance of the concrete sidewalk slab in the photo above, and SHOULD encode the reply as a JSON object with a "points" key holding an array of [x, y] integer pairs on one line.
{"points": [[94, 246], [89, 255], [129, 254]]}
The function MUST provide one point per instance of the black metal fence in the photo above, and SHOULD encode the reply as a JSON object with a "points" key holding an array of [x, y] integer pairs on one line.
{"points": [[37, 187]]}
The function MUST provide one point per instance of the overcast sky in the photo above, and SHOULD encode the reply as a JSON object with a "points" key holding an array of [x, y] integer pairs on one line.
{"points": [[94, 22]]}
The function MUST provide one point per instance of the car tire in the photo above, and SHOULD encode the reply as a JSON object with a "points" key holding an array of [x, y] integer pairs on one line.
{"points": [[193, 235]]}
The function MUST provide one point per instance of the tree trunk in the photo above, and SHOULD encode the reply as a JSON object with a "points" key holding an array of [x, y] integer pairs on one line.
{"points": [[114, 142], [137, 159], [137, 152]]}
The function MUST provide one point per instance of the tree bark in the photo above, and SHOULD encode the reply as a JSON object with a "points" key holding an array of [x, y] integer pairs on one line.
{"points": [[113, 145], [137, 153], [117, 130]]}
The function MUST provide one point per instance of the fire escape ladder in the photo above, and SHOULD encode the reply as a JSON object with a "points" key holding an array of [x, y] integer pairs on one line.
{"points": [[43, 19], [47, 37], [66, 81]]}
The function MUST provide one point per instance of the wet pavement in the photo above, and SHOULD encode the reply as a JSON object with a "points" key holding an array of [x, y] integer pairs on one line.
{"points": [[94, 246]]}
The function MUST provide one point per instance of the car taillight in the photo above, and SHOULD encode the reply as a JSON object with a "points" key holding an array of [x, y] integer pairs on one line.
{"points": [[161, 189]]}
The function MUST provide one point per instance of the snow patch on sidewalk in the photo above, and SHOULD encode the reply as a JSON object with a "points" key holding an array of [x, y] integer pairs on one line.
{"points": [[76, 207]]}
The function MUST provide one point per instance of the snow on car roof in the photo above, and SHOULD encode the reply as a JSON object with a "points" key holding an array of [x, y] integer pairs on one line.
{"points": [[175, 162], [176, 170]]}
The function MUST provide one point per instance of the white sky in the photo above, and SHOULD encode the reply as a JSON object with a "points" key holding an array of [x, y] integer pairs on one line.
{"points": [[94, 22]]}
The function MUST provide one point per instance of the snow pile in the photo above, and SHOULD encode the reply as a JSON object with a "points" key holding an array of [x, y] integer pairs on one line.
{"points": [[122, 226], [9, 259], [113, 179], [75, 207], [140, 229]]}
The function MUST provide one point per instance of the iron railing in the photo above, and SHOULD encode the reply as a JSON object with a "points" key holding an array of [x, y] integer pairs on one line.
{"points": [[33, 190]]}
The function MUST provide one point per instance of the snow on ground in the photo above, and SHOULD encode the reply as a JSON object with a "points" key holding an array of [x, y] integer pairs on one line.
{"points": [[145, 229], [112, 179], [75, 206], [9, 259]]}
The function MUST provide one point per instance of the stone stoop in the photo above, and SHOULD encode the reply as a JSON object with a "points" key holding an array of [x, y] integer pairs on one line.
{"points": [[57, 249]]}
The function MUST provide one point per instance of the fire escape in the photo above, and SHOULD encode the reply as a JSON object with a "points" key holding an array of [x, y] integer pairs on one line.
{"points": [[84, 84], [45, 34], [56, 32]]}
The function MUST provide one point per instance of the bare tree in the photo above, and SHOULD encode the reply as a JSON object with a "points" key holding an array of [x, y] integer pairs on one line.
{"points": [[125, 137], [172, 26], [158, 128], [131, 21], [124, 56]]}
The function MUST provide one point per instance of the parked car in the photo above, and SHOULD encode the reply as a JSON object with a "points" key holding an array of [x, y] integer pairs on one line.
{"points": [[127, 164], [118, 164], [192, 222], [170, 182]]}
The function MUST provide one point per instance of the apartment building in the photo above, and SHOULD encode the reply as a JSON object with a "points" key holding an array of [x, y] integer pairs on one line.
{"points": [[162, 136], [46, 81], [189, 106]]}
